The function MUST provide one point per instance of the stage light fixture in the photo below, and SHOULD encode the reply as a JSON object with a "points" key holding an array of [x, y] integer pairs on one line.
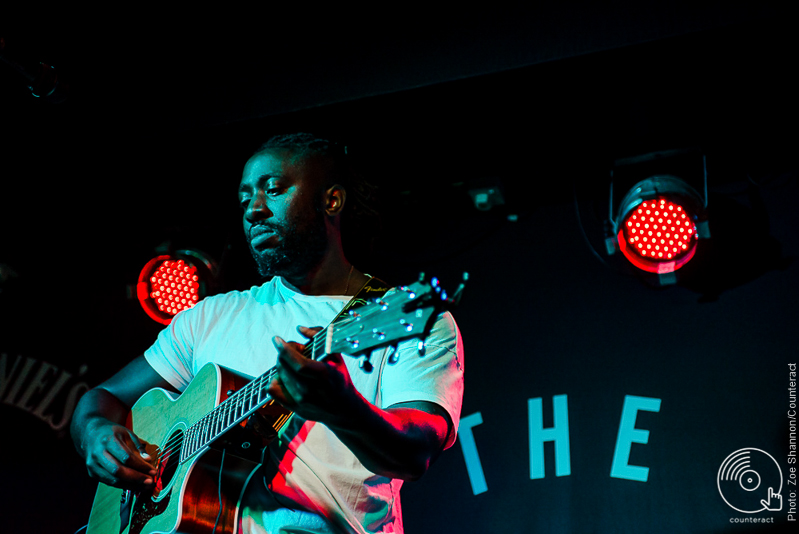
{"points": [[657, 226], [171, 283], [659, 221]]}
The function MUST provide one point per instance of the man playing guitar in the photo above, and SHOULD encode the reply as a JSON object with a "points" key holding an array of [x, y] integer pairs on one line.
{"points": [[340, 461]]}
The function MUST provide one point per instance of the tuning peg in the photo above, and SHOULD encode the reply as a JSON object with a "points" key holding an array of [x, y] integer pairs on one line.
{"points": [[411, 293], [379, 334], [365, 364], [456, 297]]}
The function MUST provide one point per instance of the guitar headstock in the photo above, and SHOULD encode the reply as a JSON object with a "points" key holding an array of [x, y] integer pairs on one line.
{"points": [[407, 312]]}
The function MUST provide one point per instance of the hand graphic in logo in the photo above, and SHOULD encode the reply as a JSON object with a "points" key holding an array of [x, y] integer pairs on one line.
{"points": [[773, 502]]}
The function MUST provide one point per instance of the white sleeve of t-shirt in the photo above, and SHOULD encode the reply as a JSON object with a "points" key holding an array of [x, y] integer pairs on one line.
{"points": [[435, 376], [172, 354]]}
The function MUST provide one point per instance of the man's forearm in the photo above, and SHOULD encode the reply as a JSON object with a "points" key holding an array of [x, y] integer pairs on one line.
{"points": [[96, 406], [400, 442]]}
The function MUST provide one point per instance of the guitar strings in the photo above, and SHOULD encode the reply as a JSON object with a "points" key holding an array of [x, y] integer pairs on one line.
{"points": [[221, 412], [201, 433], [204, 430], [217, 415]]}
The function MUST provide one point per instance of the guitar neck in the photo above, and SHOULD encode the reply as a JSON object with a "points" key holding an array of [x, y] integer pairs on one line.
{"points": [[241, 404], [407, 313]]}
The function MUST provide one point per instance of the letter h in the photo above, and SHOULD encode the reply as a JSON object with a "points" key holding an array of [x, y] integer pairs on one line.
{"points": [[559, 433]]}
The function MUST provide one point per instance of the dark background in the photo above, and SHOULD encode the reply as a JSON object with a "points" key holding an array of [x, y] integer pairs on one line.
{"points": [[162, 109]]}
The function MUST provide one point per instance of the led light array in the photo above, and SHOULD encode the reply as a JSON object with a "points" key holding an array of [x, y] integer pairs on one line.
{"points": [[174, 286], [660, 230]]}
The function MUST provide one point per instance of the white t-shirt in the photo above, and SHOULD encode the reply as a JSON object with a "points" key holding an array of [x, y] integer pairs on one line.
{"points": [[316, 475]]}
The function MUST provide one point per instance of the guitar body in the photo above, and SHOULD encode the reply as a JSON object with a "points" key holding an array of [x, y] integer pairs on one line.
{"points": [[187, 494]]}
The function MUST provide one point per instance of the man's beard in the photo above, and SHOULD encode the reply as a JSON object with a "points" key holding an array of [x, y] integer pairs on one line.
{"points": [[301, 247]]}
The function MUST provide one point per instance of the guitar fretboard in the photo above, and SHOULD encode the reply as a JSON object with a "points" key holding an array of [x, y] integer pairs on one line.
{"points": [[238, 406], [409, 312]]}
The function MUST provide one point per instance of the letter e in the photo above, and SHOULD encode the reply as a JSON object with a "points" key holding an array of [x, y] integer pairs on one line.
{"points": [[628, 435]]}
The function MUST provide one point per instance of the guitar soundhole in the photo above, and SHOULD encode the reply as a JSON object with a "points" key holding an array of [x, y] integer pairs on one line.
{"points": [[169, 460]]}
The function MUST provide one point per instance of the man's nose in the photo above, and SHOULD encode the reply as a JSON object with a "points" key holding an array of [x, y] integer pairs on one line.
{"points": [[257, 208]]}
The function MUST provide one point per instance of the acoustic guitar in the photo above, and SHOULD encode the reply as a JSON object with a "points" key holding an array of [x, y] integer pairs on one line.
{"points": [[210, 440]]}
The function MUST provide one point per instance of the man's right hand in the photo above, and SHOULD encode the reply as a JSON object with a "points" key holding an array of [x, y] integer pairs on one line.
{"points": [[117, 457]]}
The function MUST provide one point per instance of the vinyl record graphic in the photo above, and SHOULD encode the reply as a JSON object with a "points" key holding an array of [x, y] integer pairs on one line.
{"points": [[744, 479]]}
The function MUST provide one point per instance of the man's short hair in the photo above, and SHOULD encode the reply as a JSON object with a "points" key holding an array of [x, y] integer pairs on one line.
{"points": [[303, 145], [361, 194]]}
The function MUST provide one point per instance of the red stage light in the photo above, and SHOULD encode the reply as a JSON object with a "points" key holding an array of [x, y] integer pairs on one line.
{"points": [[170, 284], [661, 221], [659, 235]]}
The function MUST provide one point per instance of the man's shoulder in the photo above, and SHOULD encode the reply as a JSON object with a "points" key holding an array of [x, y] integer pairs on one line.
{"points": [[228, 297], [233, 299]]}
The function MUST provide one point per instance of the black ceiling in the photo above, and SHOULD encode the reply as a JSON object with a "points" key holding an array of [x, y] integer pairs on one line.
{"points": [[181, 69], [167, 104]]}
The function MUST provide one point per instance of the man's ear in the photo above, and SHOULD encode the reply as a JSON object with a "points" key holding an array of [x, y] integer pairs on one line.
{"points": [[335, 197]]}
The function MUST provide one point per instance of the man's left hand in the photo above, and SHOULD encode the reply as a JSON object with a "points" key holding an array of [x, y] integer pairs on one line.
{"points": [[315, 390], [398, 442]]}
